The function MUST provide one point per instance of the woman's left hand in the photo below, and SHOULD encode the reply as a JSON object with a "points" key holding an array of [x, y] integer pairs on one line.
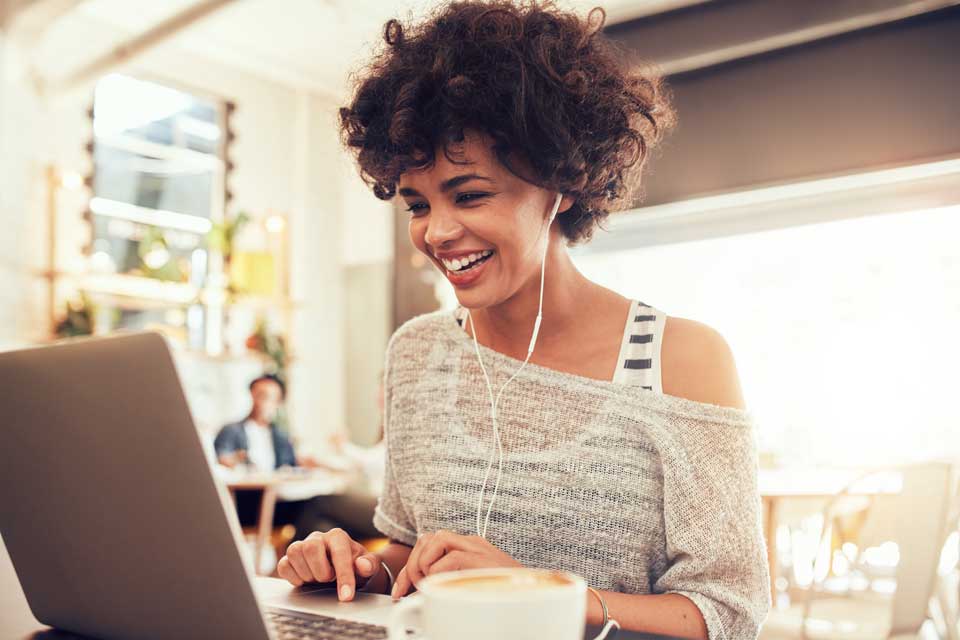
{"points": [[448, 551]]}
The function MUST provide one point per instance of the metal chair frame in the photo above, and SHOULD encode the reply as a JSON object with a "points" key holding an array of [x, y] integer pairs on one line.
{"points": [[904, 619]]}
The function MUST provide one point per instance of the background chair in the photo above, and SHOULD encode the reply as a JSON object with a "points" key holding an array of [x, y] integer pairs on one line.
{"points": [[948, 583], [877, 565]]}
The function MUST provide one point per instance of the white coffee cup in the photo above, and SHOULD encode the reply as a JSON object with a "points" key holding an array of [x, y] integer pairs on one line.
{"points": [[506, 604]]}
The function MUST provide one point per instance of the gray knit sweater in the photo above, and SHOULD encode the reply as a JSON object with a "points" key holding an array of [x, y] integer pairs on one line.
{"points": [[635, 491]]}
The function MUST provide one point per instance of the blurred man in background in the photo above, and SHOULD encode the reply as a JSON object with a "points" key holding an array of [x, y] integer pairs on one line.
{"points": [[256, 441], [258, 444]]}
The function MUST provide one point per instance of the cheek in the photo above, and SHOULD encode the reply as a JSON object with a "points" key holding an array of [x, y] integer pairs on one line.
{"points": [[417, 230], [519, 252]]}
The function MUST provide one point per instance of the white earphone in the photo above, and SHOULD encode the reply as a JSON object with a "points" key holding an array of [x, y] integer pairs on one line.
{"points": [[494, 403]]}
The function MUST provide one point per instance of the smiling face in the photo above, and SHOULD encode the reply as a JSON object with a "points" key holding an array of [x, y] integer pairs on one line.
{"points": [[483, 227]]}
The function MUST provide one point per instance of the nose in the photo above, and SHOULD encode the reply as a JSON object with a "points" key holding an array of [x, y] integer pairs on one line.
{"points": [[442, 228]]}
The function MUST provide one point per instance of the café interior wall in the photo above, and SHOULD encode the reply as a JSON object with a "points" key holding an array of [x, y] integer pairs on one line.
{"points": [[368, 227], [285, 140], [19, 242]]}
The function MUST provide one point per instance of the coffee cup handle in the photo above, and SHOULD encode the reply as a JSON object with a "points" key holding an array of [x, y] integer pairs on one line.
{"points": [[608, 632], [400, 617]]}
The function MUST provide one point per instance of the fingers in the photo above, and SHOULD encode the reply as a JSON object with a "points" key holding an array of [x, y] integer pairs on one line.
{"points": [[453, 561], [315, 553], [285, 570], [333, 555], [324, 557], [441, 543], [401, 586], [341, 556], [447, 551], [411, 571], [429, 549], [298, 562], [438, 546], [366, 564]]}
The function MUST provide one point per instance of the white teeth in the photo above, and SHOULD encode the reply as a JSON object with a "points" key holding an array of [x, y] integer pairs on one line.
{"points": [[465, 261]]}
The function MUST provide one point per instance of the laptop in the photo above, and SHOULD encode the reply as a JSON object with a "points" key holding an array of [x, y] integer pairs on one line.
{"points": [[112, 517]]}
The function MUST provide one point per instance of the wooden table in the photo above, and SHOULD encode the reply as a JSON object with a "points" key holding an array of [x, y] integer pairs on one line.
{"points": [[280, 485], [777, 485]]}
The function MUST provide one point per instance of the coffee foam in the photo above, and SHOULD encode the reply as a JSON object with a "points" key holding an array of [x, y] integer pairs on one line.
{"points": [[531, 581]]}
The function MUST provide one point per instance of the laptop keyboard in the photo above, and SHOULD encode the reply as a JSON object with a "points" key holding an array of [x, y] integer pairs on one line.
{"points": [[310, 626]]}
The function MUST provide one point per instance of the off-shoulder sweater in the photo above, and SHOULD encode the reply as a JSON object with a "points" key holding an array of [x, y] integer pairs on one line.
{"points": [[636, 491]]}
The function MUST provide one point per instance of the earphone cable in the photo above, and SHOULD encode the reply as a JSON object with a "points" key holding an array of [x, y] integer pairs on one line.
{"points": [[495, 403]]}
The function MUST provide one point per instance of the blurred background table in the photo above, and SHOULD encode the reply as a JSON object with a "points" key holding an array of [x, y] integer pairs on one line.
{"points": [[293, 484], [777, 485]]}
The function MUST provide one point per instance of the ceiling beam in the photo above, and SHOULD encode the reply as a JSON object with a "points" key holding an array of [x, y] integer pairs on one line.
{"points": [[133, 47], [627, 11], [712, 33], [28, 19]]}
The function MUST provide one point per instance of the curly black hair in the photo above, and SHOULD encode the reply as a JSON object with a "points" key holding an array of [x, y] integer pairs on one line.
{"points": [[542, 83]]}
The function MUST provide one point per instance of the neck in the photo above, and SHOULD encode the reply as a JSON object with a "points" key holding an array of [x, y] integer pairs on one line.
{"points": [[508, 325], [259, 420]]}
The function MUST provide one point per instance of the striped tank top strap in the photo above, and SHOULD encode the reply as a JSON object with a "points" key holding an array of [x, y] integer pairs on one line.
{"points": [[639, 361]]}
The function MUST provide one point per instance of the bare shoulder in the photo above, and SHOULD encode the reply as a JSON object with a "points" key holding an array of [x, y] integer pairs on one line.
{"points": [[696, 363]]}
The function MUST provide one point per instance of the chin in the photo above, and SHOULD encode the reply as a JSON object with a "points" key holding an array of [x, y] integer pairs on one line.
{"points": [[476, 299], [469, 301]]}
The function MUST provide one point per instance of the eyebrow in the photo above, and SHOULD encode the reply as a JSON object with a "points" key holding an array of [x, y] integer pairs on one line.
{"points": [[447, 185]]}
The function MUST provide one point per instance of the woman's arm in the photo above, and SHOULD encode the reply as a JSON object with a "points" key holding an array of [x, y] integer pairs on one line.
{"points": [[668, 614], [711, 502]]}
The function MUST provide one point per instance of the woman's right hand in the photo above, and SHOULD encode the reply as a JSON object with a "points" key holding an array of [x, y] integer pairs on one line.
{"points": [[325, 557]]}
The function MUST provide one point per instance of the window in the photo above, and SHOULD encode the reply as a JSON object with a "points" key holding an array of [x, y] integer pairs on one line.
{"points": [[844, 332], [159, 187], [158, 178]]}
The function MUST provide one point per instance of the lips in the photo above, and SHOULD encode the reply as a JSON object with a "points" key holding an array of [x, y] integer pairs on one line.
{"points": [[468, 276]]}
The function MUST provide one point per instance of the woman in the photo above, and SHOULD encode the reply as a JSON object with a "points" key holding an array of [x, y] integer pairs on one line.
{"points": [[619, 449]]}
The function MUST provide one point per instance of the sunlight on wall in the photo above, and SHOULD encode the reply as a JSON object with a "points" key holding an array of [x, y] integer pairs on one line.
{"points": [[845, 333]]}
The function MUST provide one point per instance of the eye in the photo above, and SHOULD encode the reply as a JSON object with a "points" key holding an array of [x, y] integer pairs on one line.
{"points": [[417, 208], [470, 197]]}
